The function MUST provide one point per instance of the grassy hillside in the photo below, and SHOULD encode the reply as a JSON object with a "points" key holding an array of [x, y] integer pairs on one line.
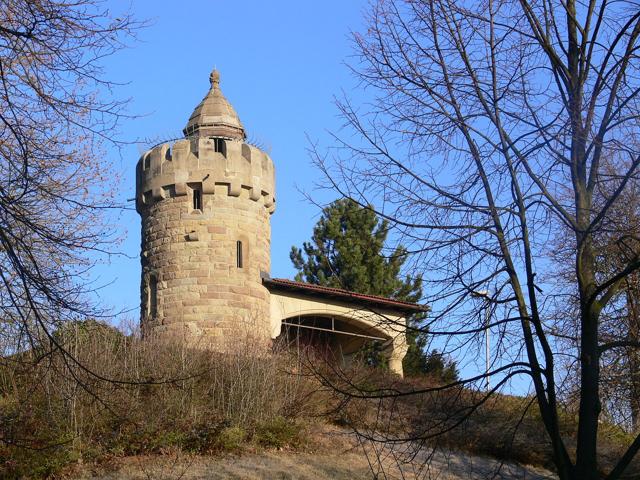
{"points": [[504, 427], [125, 397]]}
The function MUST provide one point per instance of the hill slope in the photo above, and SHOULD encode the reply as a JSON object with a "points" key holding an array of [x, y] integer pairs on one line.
{"points": [[336, 455]]}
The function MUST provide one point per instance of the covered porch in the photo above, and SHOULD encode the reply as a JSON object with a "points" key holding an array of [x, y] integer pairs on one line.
{"points": [[339, 321]]}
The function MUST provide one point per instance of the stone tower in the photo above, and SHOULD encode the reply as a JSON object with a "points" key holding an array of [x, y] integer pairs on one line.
{"points": [[205, 203]]}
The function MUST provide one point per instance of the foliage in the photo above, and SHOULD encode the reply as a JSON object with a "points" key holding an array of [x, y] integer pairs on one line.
{"points": [[278, 432], [347, 251], [231, 438], [434, 364], [80, 331], [372, 355]]}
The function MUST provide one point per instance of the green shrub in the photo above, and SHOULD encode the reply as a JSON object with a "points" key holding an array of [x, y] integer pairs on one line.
{"points": [[231, 438], [277, 433], [203, 437], [33, 464]]}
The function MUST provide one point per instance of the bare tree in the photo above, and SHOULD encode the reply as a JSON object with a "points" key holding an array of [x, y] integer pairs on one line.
{"points": [[56, 113], [616, 244], [481, 116]]}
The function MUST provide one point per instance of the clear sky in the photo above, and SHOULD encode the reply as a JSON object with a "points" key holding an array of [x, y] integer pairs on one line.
{"points": [[281, 62]]}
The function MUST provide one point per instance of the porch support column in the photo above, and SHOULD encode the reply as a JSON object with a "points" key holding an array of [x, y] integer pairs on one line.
{"points": [[396, 352]]}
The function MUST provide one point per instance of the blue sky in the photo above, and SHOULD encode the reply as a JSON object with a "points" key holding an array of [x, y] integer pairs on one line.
{"points": [[281, 63]]}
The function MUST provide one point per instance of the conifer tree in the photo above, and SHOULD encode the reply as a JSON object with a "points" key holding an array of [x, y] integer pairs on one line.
{"points": [[347, 251]]}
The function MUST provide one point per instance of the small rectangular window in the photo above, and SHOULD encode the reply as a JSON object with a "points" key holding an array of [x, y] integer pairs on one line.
{"points": [[147, 163], [220, 146], [239, 254], [197, 199]]}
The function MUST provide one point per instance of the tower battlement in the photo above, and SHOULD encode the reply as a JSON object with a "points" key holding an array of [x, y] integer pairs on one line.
{"points": [[170, 170]]}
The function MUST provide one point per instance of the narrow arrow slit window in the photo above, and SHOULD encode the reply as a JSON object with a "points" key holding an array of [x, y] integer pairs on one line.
{"points": [[239, 254], [152, 300]]}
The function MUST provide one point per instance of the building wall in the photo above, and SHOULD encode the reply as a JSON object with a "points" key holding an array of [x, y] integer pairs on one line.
{"points": [[191, 284]]}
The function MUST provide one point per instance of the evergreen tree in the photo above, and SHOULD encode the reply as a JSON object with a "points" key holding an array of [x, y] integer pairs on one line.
{"points": [[347, 251]]}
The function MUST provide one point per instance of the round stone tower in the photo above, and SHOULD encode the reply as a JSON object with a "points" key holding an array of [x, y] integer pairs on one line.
{"points": [[205, 203]]}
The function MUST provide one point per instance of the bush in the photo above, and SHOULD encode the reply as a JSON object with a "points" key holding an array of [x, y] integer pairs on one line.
{"points": [[278, 432], [231, 438]]}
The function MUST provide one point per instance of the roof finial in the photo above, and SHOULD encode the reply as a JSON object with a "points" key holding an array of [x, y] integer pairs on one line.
{"points": [[214, 78]]}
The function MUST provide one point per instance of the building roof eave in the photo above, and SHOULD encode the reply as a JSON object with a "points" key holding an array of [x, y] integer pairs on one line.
{"points": [[389, 304]]}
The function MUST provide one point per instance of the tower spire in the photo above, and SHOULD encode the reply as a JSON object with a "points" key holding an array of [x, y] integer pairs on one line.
{"points": [[214, 116]]}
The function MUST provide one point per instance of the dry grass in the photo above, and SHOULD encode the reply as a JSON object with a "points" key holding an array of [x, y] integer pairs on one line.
{"points": [[504, 427], [336, 455], [165, 396]]}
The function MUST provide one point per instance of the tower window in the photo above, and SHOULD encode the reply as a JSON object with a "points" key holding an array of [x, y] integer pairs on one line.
{"points": [[197, 199], [147, 163], [152, 299], [220, 146], [239, 254]]}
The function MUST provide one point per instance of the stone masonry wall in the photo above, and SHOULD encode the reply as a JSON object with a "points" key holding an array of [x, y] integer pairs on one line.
{"points": [[191, 284]]}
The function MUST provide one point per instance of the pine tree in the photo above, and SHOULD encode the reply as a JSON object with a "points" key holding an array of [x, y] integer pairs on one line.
{"points": [[348, 251]]}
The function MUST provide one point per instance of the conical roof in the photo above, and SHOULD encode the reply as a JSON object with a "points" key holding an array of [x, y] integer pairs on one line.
{"points": [[214, 116]]}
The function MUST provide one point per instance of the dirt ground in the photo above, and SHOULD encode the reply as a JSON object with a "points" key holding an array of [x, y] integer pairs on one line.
{"points": [[337, 457], [291, 466]]}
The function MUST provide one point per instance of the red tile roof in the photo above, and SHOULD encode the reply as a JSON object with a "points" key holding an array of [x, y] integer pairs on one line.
{"points": [[345, 295]]}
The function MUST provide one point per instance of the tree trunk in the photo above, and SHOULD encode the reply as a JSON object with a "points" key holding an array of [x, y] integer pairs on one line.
{"points": [[633, 354], [586, 451], [586, 467]]}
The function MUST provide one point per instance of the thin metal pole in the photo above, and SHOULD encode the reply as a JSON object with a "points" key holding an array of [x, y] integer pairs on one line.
{"points": [[487, 341]]}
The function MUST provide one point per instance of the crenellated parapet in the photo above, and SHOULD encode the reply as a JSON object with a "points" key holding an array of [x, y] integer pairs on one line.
{"points": [[170, 170]]}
